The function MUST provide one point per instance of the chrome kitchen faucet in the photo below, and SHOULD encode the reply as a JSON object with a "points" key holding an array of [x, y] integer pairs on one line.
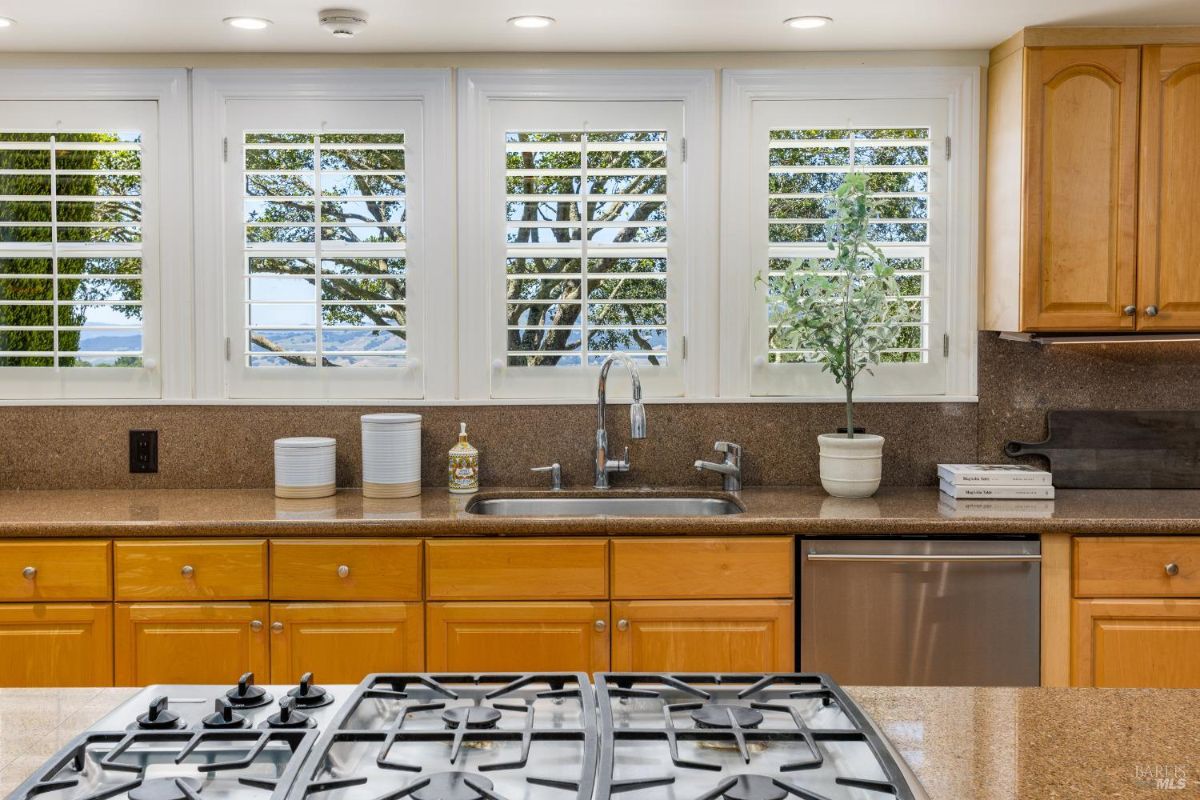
{"points": [[637, 419]]}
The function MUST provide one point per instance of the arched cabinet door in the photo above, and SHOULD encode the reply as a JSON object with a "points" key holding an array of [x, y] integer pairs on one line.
{"points": [[1081, 154], [1169, 200]]}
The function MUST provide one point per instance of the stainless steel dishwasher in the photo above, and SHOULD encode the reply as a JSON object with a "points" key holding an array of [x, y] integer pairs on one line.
{"points": [[921, 612]]}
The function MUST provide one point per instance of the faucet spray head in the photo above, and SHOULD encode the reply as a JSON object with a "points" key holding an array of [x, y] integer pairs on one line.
{"points": [[637, 420]]}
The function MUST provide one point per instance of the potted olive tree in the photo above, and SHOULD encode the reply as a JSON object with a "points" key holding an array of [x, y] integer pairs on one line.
{"points": [[845, 310]]}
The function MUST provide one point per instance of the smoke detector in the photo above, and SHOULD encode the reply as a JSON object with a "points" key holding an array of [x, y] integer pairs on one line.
{"points": [[343, 22]]}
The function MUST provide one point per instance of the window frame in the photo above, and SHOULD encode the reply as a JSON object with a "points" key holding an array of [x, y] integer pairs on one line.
{"points": [[166, 252], [482, 95], [744, 368], [219, 368]]}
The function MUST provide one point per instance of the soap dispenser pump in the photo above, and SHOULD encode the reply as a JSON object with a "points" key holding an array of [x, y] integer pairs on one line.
{"points": [[464, 465]]}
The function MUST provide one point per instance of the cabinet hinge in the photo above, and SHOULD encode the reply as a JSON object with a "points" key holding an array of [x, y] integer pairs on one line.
{"points": [[947, 148], [683, 149], [225, 149], [945, 345], [228, 349]]}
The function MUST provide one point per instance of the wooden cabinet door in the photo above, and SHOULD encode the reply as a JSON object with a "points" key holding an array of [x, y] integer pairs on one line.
{"points": [[1080, 220], [190, 642], [1136, 643], [342, 642], [703, 636], [56, 644], [1169, 200], [517, 637]]}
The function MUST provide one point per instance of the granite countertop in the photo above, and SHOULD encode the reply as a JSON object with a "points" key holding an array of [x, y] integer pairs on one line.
{"points": [[436, 512], [983, 744]]}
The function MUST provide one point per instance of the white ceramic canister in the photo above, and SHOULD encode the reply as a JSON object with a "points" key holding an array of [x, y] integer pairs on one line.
{"points": [[391, 455], [305, 467]]}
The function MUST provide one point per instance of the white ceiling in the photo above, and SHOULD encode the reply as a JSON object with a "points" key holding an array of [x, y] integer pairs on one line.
{"points": [[583, 25]]}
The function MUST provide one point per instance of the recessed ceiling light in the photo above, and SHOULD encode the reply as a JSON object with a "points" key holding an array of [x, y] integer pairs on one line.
{"points": [[5, 22], [531, 21], [247, 23], [807, 23]]}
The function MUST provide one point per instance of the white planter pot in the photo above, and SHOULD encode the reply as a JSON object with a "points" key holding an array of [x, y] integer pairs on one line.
{"points": [[851, 467]]}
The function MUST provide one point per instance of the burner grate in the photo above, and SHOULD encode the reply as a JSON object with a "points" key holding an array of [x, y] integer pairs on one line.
{"points": [[719, 696], [471, 707], [67, 770]]}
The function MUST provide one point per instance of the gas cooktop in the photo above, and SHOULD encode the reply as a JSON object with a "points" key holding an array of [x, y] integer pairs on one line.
{"points": [[532, 736]]}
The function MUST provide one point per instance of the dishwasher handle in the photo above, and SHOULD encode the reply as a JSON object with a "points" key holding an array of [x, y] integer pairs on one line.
{"points": [[917, 558]]}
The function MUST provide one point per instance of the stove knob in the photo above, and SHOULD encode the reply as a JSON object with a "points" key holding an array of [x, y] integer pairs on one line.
{"points": [[224, 716], [308, 694], [157, 717], [246, 694], [288, 716]]}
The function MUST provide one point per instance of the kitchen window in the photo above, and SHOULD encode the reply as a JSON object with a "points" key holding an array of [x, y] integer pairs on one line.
{"points": [[797, 151], [333, 249], [78, 249], [585, 242]]}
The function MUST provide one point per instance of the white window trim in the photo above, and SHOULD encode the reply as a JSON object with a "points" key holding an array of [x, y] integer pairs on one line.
{"points": [[695, 89], [211, 89], [960, 86], [170, 375]]}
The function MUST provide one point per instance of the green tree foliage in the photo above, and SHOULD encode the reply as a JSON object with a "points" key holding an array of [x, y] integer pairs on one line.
{"points": [[34, 274], [380, 280], [609, 275]]}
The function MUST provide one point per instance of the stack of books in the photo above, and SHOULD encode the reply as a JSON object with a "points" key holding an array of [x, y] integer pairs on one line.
{"points": [[972, 488], [995, 481]]}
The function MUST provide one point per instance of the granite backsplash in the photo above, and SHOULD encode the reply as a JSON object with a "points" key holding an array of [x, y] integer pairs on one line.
{"points": [[230, 446]]}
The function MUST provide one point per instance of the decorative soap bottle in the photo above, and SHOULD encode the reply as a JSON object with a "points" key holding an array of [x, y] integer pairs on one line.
{"points": [[464, 465]]}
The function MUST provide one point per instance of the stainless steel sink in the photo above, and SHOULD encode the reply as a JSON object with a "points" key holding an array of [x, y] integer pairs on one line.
{"points": [[603, 506]]}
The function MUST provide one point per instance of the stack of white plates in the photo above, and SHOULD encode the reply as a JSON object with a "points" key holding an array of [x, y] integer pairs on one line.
{"points": [[305, 466], [391, 454]]}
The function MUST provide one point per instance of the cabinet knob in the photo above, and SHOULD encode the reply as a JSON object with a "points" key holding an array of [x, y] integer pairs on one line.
{"points": [[277, 627], [29, 573], [1130, 310], [187, 571], [1172, 568], [622, 624], [600, 625], [343, 571], [256, 625], [1151, 311]]}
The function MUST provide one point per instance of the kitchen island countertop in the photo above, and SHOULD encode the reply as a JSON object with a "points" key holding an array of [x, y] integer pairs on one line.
{"points": [[963, 743], [436, 512]]}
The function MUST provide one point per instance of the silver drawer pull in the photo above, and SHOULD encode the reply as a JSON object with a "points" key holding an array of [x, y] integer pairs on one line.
{"points": [[600, 625], [1172, 569], [277, 627], [622, 624], [343, 571], [29, 573], [256, 625], [917, 559], [187, 571]]}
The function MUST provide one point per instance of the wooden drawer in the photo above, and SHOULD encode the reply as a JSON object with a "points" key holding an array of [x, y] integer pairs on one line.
{"points": [[1137, 566], [690, 567], [61, 570], [191, 569], [345, 569], [517, 569]]}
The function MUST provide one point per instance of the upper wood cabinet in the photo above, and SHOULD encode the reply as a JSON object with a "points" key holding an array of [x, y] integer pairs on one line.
{"points": [[1093, 184], [1169, 239]]}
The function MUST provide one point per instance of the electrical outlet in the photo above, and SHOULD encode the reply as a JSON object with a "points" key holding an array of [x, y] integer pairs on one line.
{"points": [[143, 451]]}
